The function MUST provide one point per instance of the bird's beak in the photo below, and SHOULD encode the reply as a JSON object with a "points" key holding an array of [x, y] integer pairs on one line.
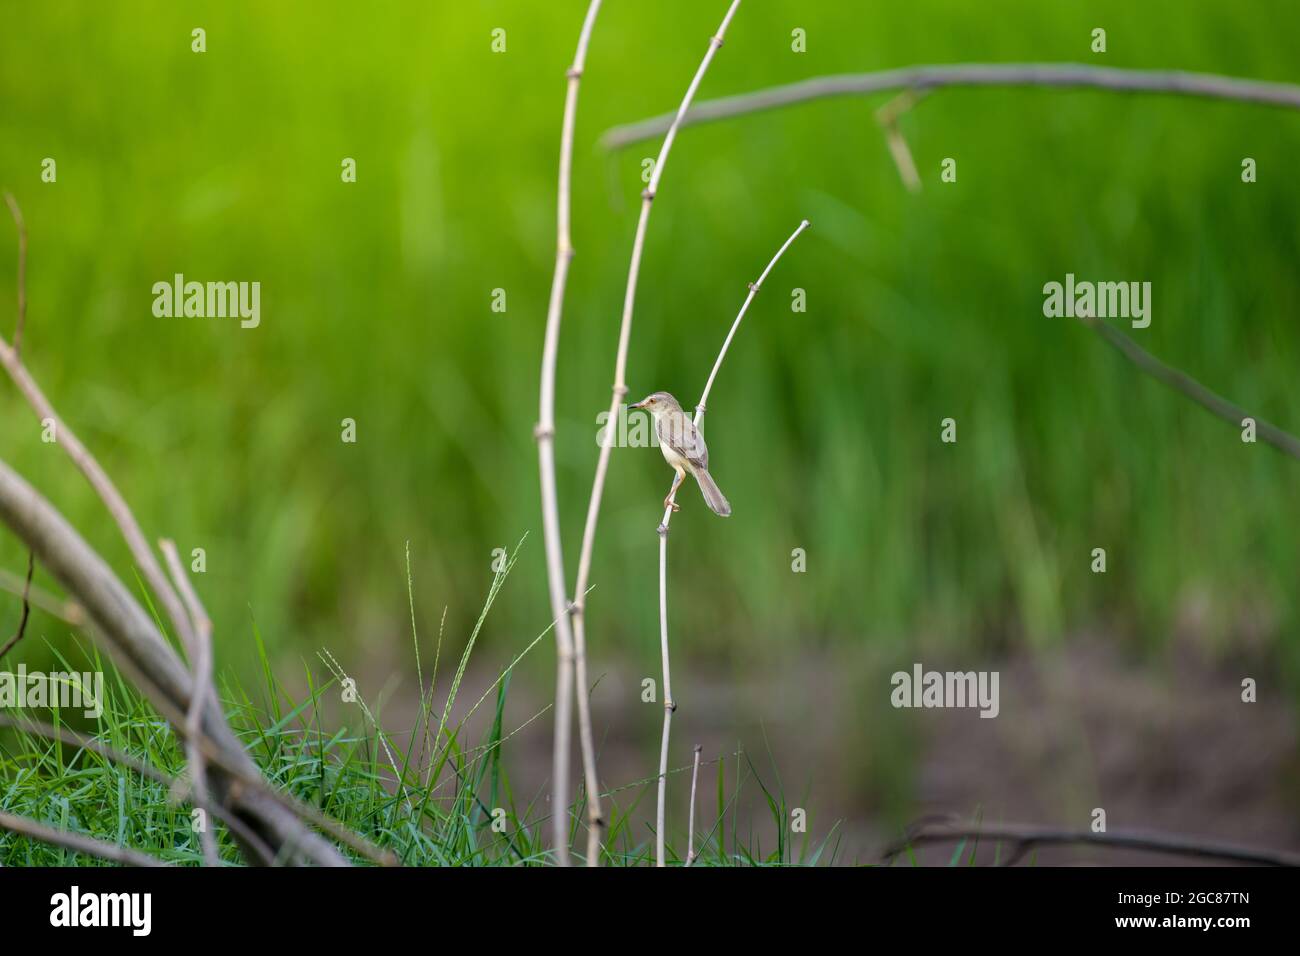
{"points": [[640, 404]]}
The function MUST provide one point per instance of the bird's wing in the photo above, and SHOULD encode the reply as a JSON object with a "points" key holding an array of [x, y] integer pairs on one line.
{"points": [[681, 435]]}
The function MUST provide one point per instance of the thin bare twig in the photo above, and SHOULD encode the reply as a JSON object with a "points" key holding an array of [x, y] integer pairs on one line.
{"points": [[624, 339], [887, 116], [670, 704], [933, 77], [1182, 382], [75, 841], [566, 652], [202, 669], [1026, 836], [690, 838], [27, 607]]}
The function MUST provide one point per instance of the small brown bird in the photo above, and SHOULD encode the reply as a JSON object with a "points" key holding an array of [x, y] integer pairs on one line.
{"points": [[683, 447]]}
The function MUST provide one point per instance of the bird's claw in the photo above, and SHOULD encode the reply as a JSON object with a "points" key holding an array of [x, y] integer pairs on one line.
{"points": [[670, 504]]}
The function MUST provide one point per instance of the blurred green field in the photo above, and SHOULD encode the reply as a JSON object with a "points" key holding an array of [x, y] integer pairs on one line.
{"points": [[823, 426]]}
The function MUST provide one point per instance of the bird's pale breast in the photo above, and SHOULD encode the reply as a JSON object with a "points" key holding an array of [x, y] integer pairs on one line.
{"points": [[671, 456], [671, 430]]}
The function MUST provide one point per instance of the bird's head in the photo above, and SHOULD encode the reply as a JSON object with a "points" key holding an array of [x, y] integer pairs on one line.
{"points": [[657, 403]]}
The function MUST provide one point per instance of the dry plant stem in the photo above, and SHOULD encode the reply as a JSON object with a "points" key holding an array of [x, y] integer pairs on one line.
{"points": [[121, 855], [1027, 836], [620, 363], [545, 434], [1190, 387], [670, 704], [202, 668], [695, 779], [887, 116], [933, 77]]}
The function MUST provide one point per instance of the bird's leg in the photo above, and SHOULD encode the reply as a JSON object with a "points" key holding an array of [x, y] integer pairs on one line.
{"points": [[668, 500]]}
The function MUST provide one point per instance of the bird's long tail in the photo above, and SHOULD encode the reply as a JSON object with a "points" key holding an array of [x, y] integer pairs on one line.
{"points": [[713, 496]]}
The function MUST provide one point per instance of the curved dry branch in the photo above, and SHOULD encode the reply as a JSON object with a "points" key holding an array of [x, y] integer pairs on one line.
{"points": [[1181, 382], [933, 77], [1025, 837]]}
